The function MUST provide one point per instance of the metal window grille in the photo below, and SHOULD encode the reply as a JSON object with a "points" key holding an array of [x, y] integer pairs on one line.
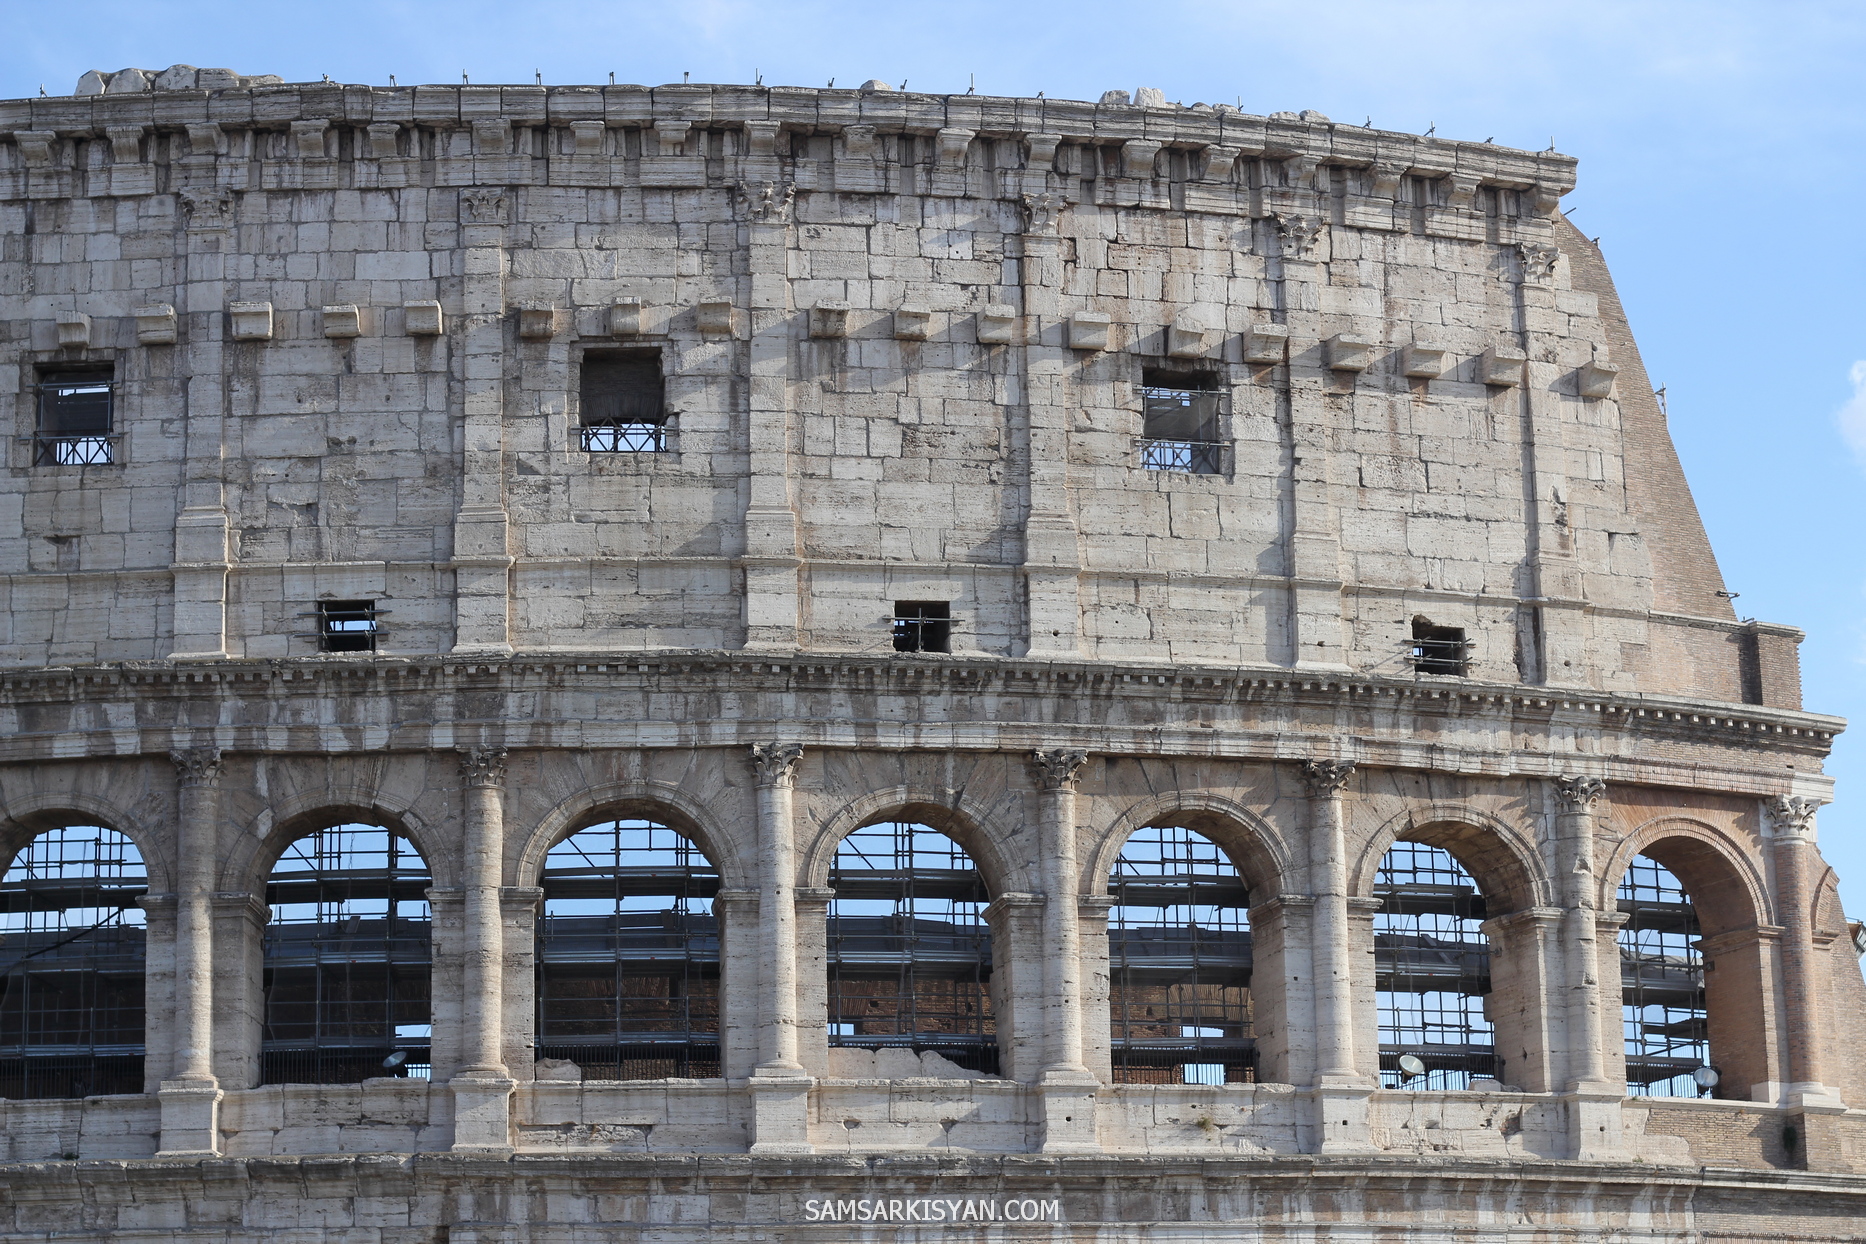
{"points": [[1662, 984], [623, 403], [76, 419], [1179, 962], [628, 954], [347, 959], [71, 966], [1439, 649], [348, 625], [909, 950], [1431, 970], [922, 626], [1180, 424]]}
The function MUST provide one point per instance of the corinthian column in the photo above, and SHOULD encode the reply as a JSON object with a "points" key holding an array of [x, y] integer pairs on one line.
{"points": [[1328, 872], [1575, 821], [1796, 867], [776, 766], [190, 1102], [482, 1087], [1057, 769]]}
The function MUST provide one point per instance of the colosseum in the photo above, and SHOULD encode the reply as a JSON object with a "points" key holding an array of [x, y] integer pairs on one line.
{"points": [[732, 663]]}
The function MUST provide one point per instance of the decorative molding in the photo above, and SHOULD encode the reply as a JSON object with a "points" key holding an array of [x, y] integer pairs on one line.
{"points": [[1579, 794], [1539, 260], [1792, 817], [766, 203], [483, 767], [1300, 233], [1326, 777], [775, 763], [1042, 212], [482, 205], [1058, 767], [197, 766], [206, 207]]}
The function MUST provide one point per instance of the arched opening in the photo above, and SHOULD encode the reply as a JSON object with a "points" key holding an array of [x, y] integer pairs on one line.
{"points": [[1663, 1005], [72, 950], [628, 954], [1431, 972], [1179, 956], [908, 949], [347, 959]]}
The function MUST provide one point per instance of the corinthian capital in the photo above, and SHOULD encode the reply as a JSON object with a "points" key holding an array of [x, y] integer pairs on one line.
{"points": [[483, 766], [775, 762], [1792, 817], [197, 766], [1057, 767], [1326, 777], [1579, 794]]}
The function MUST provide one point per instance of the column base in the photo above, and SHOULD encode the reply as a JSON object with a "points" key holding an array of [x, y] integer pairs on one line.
{"points": [[482, 1114], [1594, 1121], [1069, 1102], [781, 1114], [190, 1118], [1815, 1114], [1339, 1115]]}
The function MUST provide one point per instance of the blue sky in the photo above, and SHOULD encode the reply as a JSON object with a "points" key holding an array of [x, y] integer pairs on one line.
{"points": [[1720, 148]]}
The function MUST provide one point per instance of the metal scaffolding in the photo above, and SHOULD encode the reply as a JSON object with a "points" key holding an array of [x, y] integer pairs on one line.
{"points": [[1179, 958], [628, 954], [347, 959], [1431, 971], [908, 948], [1662, 985], [71, 966]]}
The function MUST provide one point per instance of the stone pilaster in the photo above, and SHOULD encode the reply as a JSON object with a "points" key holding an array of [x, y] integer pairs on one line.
{"points": [[1067, 1087], [1805, 1001], [203, 551], [482, 554], [780, 1085], [773, 548], [1561, 653], [191, 1099], [1052, 553], [483, 1086], [1590, 995], [1340, 1091]]}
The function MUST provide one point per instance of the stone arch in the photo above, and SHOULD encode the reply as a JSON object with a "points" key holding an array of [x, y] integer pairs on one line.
{"points": [[1501, 858], [647, 800], [1255, 849], [1724, 881], [950, 812], [23, 818], [250, 863]]}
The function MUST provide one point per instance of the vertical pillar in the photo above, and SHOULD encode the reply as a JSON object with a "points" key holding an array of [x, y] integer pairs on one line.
{"points": [[773, 549], [1593, 1099], [190, 1101], [482, 1088], [203, 551], [1557, 640], [1804, 1000], [780, 1086], [482, 558], [1052, 556], [1068, 1089], [1340, 1092]]}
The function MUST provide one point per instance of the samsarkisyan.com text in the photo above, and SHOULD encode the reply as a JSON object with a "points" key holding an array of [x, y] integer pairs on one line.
{"points": [[930, 1209]]}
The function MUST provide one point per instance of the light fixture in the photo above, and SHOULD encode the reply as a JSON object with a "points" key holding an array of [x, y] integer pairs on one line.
{"points": [[395, 1060], [1706, 1077], [1411, 1065]]}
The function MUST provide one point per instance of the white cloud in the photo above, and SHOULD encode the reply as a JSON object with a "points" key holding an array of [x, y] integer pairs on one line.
{"points": [[1852, 417]]}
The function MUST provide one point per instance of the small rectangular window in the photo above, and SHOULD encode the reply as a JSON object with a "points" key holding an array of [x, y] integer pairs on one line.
{"points": [[347, 625], [76, 418], [922, 626], [1438, 649], [1179, 422], [623, 403]]}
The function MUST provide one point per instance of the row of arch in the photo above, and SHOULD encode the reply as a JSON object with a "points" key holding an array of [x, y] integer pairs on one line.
{"points": [[628, 958]]}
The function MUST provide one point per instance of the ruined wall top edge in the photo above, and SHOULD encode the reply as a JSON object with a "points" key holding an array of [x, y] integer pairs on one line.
{"points": [[1283, 136]]}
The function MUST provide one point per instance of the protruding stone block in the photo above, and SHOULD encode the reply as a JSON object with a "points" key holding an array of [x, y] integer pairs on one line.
{"points": [[1422, 361], [625, 317], [155, 325], [715, 318], [74, 329], [1088, 330], [343, 321], [1596, 379], [1346, 352], [997, 324], [1188, 337], [1501, 366], [1266, 343], [1137, 156], [250, 321], [912, 322], [422, 319], [829, 319], [537, 321]]}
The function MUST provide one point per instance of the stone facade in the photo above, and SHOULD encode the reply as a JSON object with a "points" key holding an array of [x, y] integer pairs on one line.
{"points": [[902, 339]]}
